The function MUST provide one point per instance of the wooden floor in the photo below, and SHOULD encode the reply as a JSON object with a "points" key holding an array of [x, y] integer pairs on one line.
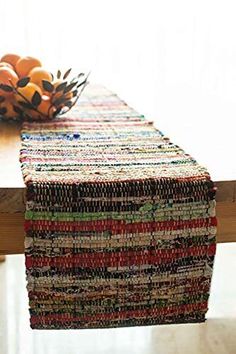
{"points": [[215, 336], [12, 191]]}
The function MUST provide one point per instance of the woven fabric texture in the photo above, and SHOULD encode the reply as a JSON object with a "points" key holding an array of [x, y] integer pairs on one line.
{"points": [[120, 222]]}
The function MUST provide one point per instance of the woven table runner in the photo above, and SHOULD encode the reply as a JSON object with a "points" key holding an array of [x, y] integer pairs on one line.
{"points": [[120, 222]]}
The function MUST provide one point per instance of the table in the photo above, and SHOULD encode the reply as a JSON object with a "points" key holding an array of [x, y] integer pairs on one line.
{"points": [[12, 191]]}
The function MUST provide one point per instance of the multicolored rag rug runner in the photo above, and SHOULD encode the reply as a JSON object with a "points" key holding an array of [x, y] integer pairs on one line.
{"points": [[120, 222]]}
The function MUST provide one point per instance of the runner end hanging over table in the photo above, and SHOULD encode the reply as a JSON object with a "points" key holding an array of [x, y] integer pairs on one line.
{"points": [[120, 222]]}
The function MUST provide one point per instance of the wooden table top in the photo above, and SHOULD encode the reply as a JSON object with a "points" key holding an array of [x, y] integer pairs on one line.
{"points": [[11, 176], [12, 194]]}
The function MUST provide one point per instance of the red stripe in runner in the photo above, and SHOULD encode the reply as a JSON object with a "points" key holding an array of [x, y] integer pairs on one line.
{"points": [[122, 315], [117, 226], [120, 259], [86, 126]]}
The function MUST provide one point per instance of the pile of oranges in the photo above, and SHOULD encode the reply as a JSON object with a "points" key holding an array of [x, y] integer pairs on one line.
{"points": [[29, 91]]}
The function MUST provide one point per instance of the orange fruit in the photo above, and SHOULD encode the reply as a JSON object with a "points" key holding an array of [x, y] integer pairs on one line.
{"points": [[32, 114], [44, 107], [10, 59], [7, 75], [38, 74], [8, 106], [27, 91], [68, 95], [25, 64], [5, 64]]}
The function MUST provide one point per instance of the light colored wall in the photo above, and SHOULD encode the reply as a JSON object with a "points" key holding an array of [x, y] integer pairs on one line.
{"points": [[173, 60]]}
